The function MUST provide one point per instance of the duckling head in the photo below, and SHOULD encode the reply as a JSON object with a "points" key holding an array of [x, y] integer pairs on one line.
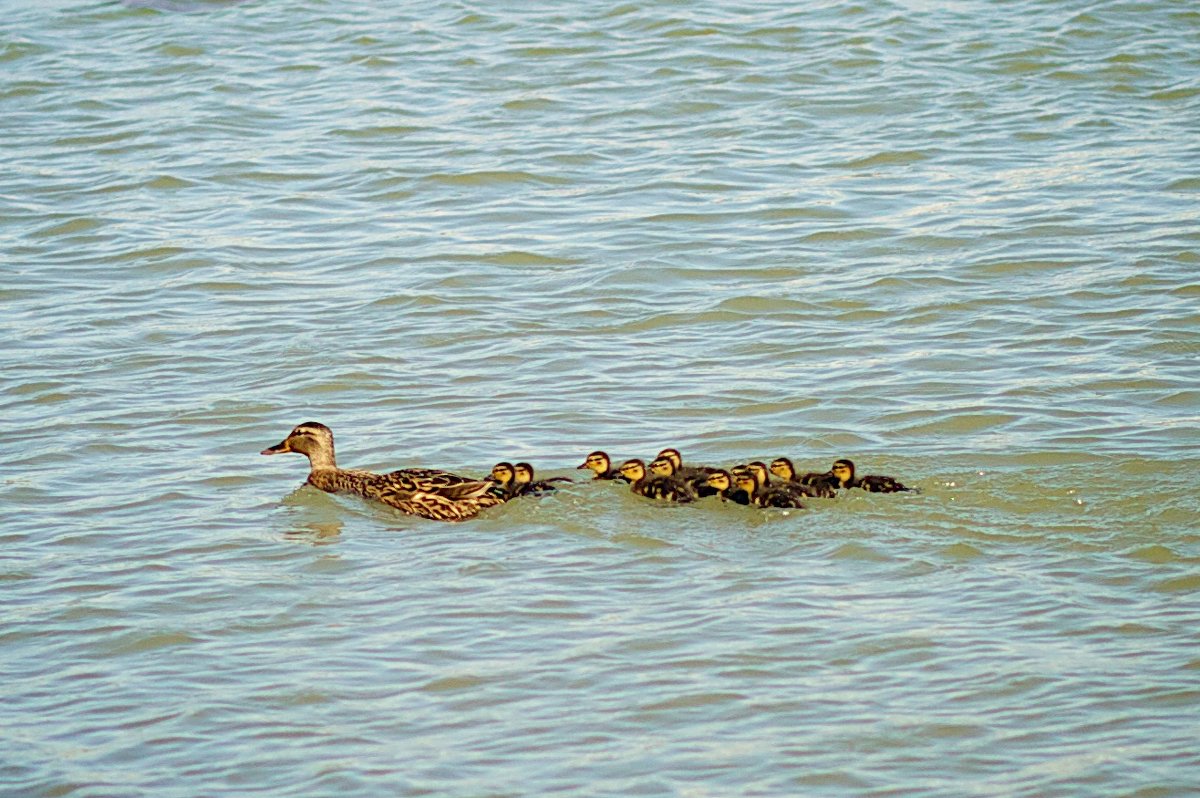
{"points": [[523, 473], [596, 461], [759, 470], [843, 471], [633, 470], [503, 473], [782, 467], [311, 439], [719, 480], [673, 455], [747, 482], [663, 466]]}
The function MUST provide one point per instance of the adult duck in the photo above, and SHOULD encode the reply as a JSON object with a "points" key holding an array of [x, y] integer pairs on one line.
{"points": [[426, 492]]}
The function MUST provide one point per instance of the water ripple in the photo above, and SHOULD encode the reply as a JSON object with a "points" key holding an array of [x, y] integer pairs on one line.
{"points": [[960, 253]]}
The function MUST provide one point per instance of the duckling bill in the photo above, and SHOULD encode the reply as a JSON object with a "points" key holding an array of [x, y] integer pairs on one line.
{"points": [[425, 492]]}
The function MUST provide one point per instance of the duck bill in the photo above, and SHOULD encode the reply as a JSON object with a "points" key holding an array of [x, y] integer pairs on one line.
{"points": [[278, 448], [581, 466]]}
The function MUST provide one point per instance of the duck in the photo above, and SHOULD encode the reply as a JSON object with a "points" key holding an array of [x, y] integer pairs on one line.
{"points": [[843, 472], [768, 495], [762, 475], [655, 485], [691, 474], [720, 482], [503, 474], [813, 484], [696, 477], [601, 465], [425, 492], [524, 484]]}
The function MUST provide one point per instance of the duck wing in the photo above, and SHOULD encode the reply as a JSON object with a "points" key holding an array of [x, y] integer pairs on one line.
{"points": [[435, 506], [428, 479]]}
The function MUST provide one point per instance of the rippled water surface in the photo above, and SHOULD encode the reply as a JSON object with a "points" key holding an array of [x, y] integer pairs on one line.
{"points": [[958, 242]]}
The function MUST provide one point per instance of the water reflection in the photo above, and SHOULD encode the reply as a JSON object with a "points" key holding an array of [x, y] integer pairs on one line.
{"points": [[316, 533]]}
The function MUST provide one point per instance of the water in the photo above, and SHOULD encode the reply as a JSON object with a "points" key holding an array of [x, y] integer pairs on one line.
{"points": [[956, 242]]}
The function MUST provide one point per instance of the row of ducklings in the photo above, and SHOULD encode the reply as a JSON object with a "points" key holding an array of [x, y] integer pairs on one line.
{"points": [[443, 496], [668, 479]]}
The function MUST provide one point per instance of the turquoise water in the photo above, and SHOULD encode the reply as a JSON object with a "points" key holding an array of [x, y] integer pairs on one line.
{"points": [[956, 242]]}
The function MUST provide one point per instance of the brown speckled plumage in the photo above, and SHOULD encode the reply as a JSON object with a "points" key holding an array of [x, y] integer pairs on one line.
{"points": [[425, 492]]}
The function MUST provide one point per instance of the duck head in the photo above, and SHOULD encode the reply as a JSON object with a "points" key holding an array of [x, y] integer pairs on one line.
{"points": [[719, 480], [633, 470], [596, 461], [673, 455], [843, 471], [746, 481], [782, 467], [759, 470], [523, 473], [503, 473], [663, 466], [311, 439]]}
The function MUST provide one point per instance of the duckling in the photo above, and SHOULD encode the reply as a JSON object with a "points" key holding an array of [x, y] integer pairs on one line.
{"points": [[426, 492], [655, 486], [602, 466], [812, 483], [843, 472], [767, 495], [668, 464], [691, 474], [762, 474], [504, 475], [524, 484], [721, 482]]}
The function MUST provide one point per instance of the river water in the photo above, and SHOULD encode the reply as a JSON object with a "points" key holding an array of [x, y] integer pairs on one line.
{"points": [[957, 242]]}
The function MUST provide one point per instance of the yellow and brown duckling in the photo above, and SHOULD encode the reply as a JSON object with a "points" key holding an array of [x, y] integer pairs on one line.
{"points": [[695, 476], [601, 466], [525, 484], [757, 470], [656, 485], [722, 484], [426, 492], [684, 471], [812, 484], [781, 494], [504, 476], [762, 474], [843, 473]]}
